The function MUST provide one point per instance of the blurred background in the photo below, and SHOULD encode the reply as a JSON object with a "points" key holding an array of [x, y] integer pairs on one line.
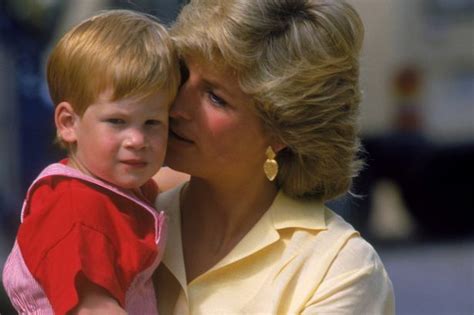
{"points": [[415, 198]]}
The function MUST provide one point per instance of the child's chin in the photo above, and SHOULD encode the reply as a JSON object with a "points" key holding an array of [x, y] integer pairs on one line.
{"points": [[132, 186], [127, 185]]}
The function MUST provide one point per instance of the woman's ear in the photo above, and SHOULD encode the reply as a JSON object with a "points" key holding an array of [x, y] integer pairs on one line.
{"points": [[66, 119], [278, 146]]}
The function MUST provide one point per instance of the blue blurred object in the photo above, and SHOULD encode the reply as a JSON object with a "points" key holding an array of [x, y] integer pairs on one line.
{"points": [[435, 182], [25, 34]]}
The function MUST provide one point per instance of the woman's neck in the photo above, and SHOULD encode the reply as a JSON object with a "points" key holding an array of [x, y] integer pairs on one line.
{"points": [[229, 205], [216, 217]]}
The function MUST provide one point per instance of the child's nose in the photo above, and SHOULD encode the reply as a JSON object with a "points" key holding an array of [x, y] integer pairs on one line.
{"points": [[135, 139]]}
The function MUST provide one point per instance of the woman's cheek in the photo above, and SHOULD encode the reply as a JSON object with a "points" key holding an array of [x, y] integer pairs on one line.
{"points": [[219, 123]]}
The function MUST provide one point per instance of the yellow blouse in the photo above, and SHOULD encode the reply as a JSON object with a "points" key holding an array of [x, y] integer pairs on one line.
{"points": [[300, 258]]}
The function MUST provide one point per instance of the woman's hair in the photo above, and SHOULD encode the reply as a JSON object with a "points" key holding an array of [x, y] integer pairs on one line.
{"points": [[298, 59], [126, 51]]}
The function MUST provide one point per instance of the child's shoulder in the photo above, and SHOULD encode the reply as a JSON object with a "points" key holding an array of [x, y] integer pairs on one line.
{"points": [[61, 186], [150, 190]]}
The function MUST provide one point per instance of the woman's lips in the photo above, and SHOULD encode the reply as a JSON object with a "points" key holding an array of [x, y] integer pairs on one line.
{"points": [[179, 136]]}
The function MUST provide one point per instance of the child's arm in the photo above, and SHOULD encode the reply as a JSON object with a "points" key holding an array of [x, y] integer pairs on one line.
{"points": [[72, 231], [95, 300]]}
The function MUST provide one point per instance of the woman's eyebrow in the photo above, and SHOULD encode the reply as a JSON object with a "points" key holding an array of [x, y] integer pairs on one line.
{"points": [[220, 86]]}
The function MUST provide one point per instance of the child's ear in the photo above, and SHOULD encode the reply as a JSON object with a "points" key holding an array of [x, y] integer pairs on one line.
{"points": [[66, 119]]}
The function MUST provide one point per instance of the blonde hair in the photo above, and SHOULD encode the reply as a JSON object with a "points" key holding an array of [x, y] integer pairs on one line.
{"points": [[298, 59], [126, 51]]}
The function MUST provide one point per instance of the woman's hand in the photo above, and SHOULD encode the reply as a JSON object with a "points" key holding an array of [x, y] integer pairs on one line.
{"points": [[95, 300]]}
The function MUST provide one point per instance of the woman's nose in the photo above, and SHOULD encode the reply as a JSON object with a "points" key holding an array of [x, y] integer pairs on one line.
{"points": [[182, 106]]}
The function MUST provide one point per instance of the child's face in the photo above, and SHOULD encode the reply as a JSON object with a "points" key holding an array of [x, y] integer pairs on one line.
{"points": [[122, 142]]}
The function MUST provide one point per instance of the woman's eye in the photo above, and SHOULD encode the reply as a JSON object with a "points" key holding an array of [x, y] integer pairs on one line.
{"points": [[183, 68], [216, 99]]}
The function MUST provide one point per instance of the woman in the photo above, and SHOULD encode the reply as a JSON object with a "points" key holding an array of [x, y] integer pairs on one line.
{"points": [[265, 124]]}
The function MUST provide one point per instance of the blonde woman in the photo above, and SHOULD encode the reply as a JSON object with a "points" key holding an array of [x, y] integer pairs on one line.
{"points": [[265, 123]]}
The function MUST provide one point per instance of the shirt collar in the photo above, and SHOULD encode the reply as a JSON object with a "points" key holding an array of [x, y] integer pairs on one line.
{"points": [[287, 212], [173, 257], [284, 212]]}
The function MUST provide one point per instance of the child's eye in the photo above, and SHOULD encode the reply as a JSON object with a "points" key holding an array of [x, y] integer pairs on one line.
{"points": [[115, 121], [152, 122], [216, 100]]}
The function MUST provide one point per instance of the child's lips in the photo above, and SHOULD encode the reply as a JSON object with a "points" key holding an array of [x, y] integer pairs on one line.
{"points": [[134, 162]]}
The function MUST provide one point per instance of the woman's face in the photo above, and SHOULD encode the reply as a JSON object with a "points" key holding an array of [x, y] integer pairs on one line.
{"points": [[213, 131]]}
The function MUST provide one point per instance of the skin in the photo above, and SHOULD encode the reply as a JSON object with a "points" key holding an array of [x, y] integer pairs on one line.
{"points": [[95, 300], [122, 142], [216, 137], [168, 178]]}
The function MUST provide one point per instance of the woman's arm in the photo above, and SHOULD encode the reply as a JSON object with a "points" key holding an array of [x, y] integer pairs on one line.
{"points": [[365, 291], [356, 284]]}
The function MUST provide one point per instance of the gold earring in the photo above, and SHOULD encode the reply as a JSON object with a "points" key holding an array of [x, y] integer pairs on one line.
{"points": [[270, 167]]}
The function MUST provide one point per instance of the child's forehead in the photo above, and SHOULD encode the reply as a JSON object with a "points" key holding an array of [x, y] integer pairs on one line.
{"points": [[133, 94], [155, 100]]}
